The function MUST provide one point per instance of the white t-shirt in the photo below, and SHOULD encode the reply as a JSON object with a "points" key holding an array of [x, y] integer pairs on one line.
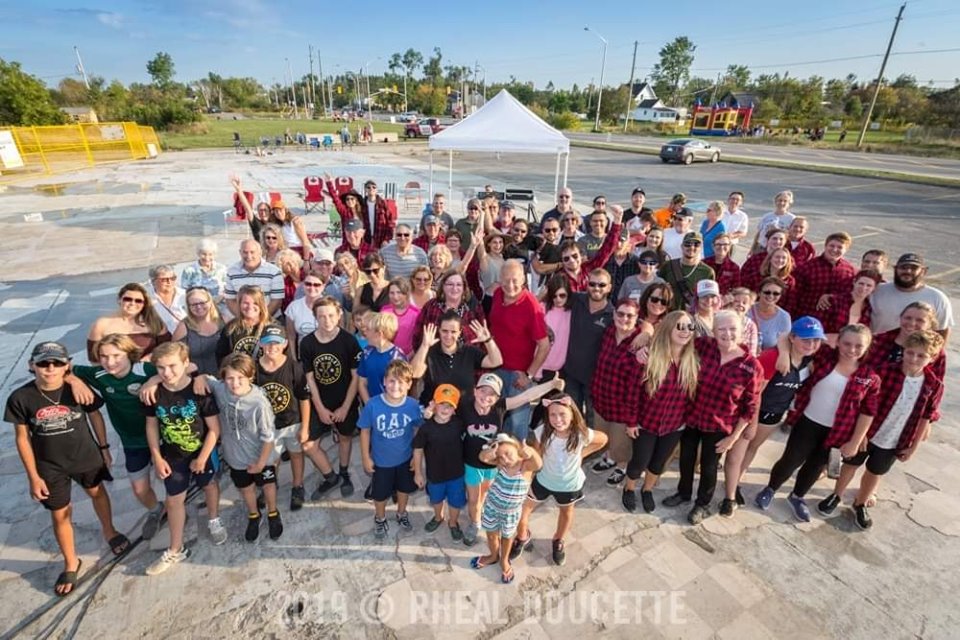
{"points": [[888, 303], [173, 314], [301, 317], [673, 242], [825, 399], [771, 221], [888, 435], [736, 221], [562, 470], [371, 213]]}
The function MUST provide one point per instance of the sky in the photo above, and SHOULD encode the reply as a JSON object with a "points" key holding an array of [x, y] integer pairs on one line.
{"points": [[534, 41]]}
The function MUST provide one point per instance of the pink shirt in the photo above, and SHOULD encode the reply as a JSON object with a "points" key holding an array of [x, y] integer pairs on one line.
{"points": [[406, 322], [558, 322]]}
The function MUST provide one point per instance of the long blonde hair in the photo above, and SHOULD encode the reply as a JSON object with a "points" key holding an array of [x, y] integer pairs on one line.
{"points": [[236, 326], [660, 357], [213, 315]]}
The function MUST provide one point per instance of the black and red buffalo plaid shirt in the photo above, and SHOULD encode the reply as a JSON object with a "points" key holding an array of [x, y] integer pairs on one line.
{"points": [[803, 253], [726, 393], [727, 273], [884, 349], [838, 315], [927, 406], [818, 277], [616, 384], [667, 410]]}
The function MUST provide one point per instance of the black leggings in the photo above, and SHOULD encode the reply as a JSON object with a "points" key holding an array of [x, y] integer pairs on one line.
{"points": [[804, 451], [690, 441], [651, 452]]}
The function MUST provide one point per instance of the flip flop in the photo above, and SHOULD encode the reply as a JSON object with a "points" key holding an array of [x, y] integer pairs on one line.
{"points": [[507, 577], [477, 563], [68, 578], [119, 544]]}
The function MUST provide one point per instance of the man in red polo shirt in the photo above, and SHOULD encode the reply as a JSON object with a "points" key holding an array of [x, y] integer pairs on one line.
{"points": [[518, 325]]}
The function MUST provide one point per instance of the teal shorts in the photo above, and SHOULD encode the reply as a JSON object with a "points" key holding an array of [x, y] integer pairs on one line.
{"points": [[474, 477]]}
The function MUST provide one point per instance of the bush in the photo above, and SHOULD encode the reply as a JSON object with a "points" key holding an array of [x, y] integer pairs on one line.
{"points": [[566, 121]]}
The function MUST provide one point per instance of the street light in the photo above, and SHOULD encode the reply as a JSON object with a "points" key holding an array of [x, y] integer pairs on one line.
{"points": [[603, 66]]}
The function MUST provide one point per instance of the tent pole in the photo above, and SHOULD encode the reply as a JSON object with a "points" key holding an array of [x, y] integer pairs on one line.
{"points": [[431, 175], [450, 174], [566, 167], [556, 177]]}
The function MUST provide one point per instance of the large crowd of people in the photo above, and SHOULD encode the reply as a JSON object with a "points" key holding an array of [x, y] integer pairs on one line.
{"points": [[489, 360]]}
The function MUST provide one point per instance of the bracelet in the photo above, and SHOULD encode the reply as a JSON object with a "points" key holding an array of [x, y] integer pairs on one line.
{"points": [[104, 447]]}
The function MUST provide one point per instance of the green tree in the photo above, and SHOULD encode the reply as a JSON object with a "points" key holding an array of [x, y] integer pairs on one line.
{"points": [[161, 69], [853, 107], [673, 70], [429, 100], [614, 101], [737, 76], [24, 100], [412, 60], [433, 70], [835, 93]]}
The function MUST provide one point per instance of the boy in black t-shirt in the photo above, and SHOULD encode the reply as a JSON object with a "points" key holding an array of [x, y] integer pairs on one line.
{"points": [[440, 440], [56, 447]]}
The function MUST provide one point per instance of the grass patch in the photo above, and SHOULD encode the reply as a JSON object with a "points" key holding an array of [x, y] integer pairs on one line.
{"points": [[213, 133]]}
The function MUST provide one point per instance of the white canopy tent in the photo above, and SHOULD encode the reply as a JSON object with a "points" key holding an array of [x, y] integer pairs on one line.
{"points": [[502, 125]]}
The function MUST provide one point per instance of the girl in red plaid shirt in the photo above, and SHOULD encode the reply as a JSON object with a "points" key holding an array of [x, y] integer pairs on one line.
{"points": [[839, 396], [668, 383], [728, 395], [888, 346], [909, 402]]}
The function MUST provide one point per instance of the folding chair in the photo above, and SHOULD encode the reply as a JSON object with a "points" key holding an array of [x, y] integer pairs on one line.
{"points": [[313, 199], [412, 192], [327, 142], [239, 211], [343, 184], [237, 143], [390, 191]]}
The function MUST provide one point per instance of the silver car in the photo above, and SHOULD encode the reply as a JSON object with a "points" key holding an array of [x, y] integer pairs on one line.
{"points": [[686, 150]]}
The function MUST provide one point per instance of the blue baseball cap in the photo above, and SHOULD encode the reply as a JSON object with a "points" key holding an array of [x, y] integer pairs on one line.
{"points": [[807, 328]]}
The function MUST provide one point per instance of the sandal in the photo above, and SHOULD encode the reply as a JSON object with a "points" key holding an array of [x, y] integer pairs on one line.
{"points": [[68, 578], [119, 544], [507, 576], [477, 562]]}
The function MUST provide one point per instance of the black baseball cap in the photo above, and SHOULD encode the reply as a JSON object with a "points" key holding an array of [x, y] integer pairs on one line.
{"points": [[273, 333], [46, 351], [638, 190], [910, 258]]}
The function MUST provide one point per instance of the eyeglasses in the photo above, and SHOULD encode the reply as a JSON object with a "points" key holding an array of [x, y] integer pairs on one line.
{"points": [[551, 229], [626, 315], [657, 300], [422, 279], [575, 256], [686, 326], [692, 243], [197, 305], [597, 285], [717, 245], [649, 263], [772, 293], [49, 364], [167, 279], [313, 285], [563, 197], [130, 300]]}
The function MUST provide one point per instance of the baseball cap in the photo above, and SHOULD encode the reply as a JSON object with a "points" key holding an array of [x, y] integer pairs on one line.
{"points": [[49, 351], [277, 204], [693, 235], [430, 219], [910, 258], [807, 328], [491, 380], [322, 254], [707, 288], [638, 190], [447, 393], [272, 334], [352, 224], [507, 204], [683, 213], [649, 255]]}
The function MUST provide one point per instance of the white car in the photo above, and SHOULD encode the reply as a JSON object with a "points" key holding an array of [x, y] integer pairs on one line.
{"points": [[408, 116]]}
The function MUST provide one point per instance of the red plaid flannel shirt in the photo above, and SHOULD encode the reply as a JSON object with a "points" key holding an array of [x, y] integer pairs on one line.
{"points": [[434, 310], [882, 350], [727, 393], [728, 273], [615, 387], [384, 218], [361, 253], [838, 315], [579, 282], [667, 410], [818, 277], [927, 406], [423, 242], [859, 397], [750, 271], [803, 253]]}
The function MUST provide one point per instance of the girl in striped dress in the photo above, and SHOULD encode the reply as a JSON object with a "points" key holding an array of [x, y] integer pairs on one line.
{"points": [[516, 464]]}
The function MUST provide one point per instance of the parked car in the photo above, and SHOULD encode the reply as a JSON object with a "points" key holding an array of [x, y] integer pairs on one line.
{"points": [[424, 127], [408, 116], [686, 150]]}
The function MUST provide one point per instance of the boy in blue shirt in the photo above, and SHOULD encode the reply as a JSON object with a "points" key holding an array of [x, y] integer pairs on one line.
{"points": [[379, 329], [387, 425]]}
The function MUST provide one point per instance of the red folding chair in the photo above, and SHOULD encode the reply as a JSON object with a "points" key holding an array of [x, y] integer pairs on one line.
{"points": [[313, 199], [343, 184], [239, 211]]}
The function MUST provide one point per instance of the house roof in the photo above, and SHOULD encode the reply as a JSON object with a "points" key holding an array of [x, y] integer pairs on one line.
{"points": [[640, 86], [739, 99], [648, 104]]}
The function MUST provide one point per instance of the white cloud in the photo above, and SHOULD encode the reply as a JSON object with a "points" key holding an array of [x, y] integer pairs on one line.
{"points": [[113, 20]]}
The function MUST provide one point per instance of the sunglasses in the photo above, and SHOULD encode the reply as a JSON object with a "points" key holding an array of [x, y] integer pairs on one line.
{"points": [[686, 326], [49, 364], [403, 235], [313, 285], [626, 315], [130, 300], [563, 197], [571, 258], [597, 285], [369, 271], [167, 279], [772, 294], [551, 229], [649, 263], [691, 244], [658, 300], [421, 279]]}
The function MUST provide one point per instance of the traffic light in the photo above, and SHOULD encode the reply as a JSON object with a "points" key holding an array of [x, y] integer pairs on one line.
{"points": [[448, 90], [339, 89]]}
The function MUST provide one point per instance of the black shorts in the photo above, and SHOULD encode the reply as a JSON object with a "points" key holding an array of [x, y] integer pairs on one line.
{"points": [[768, 419], [346, 428], [539, 493], [879, 461], [59, 487], [181, 476], [243, 478], [386, 480]]}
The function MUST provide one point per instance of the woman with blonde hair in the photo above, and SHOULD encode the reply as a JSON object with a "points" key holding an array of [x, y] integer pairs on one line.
{"points": [[668, 379], [779, 264], [291, 265], [440, 260], [135, 317], [271, 239], [292, 228], [200, 330], [421, 286], [242, 334]]}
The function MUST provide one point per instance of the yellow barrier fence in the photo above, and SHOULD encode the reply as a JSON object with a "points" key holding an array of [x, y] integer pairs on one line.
{"points": [[56, 149]]}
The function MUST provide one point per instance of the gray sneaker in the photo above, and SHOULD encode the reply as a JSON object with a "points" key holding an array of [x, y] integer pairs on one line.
{"points": [[404, 521], [217, 531], [470, 535], [381, 528], [152, 524], [167, 560]]}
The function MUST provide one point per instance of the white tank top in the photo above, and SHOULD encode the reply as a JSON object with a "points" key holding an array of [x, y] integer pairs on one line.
{"points": [[825, 398], [290, 235]]}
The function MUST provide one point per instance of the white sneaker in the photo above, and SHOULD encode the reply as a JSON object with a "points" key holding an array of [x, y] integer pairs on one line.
{"points": [[218, 532], [167, 560]]}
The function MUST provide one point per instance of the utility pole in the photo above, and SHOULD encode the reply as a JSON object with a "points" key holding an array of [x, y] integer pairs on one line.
{"points": [[323, 95], [293, 90], [713, 94], [876, 90], [80, 68], [633, 68], [313, 81]]}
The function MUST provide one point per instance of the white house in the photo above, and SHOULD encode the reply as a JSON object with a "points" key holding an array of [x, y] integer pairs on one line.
{"points": [[649, 108]]}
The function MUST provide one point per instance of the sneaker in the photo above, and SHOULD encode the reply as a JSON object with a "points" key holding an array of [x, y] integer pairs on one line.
{"points": [[739, 498], [152, 524], [616, 478], [698, 514], [646, 499], [167, 560], [800, 509], [727, 507], [559, 555], [381, 528], [274, 525], [346, 487], [368, 494], [862, 517], [675, 500], [470, 535], [833, 465], [603, 464], [324, 486], [432, 526], [297, 496], [764, 498], [629, 500], [253, 527], [404, 521], [828, 505], [519, 546], [456, 533], [218, 532]]}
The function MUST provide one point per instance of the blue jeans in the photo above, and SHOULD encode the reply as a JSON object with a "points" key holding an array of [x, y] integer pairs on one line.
{"points": [[517, 422], [580, 393]]}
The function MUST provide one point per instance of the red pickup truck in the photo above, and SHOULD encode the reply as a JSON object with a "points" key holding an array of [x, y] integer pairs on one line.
{"points": [[423, 127]]}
